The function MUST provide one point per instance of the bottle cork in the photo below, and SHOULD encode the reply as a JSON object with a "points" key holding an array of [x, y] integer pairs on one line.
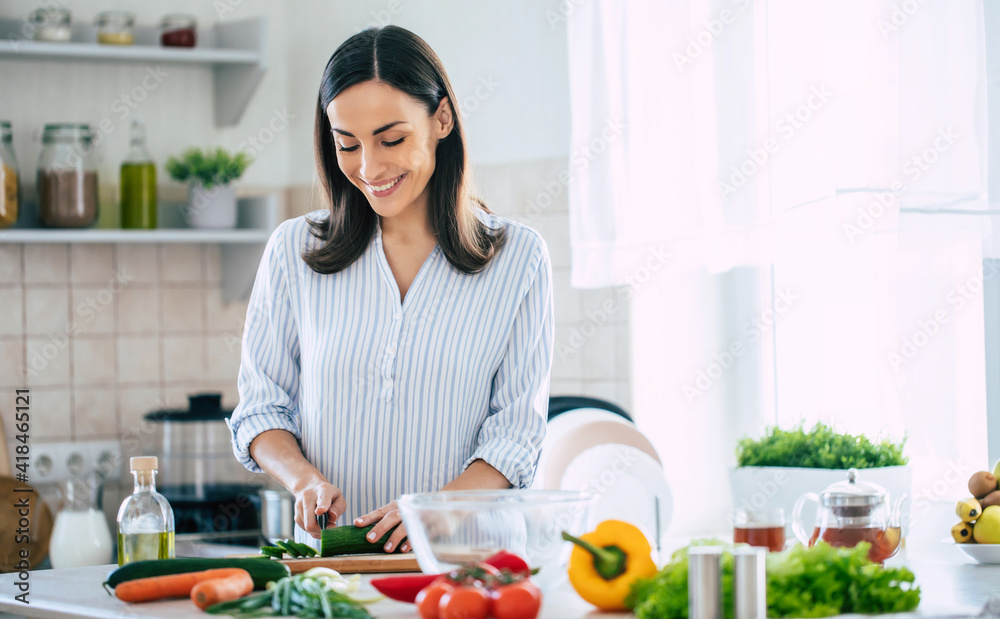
{"points": [[143, 463]]}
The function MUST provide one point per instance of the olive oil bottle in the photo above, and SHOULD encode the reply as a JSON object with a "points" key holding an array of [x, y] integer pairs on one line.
{"points": [[145, 519], [138, 183]]}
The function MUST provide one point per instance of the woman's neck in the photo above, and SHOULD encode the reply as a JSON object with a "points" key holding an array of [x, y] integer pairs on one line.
{"points": [[410, 227]]}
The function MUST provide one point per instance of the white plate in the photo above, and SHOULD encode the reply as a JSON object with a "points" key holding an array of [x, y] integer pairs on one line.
{"points": [[628, 482], [557, 429], [984, 553]]}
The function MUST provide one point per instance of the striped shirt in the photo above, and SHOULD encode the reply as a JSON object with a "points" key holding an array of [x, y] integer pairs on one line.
{"points": [[389, 398]]}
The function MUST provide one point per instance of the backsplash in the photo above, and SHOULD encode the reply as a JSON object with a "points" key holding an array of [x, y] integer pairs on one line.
{"points": [[102, 334]]}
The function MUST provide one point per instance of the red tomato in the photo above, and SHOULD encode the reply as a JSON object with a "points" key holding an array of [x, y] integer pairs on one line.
{"points": [[520, 600], [465, 603], [429, 598]]}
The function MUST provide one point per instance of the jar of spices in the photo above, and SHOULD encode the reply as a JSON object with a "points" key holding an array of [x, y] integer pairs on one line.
{"points": [[8, 177], [51, 24], [67, 177], [115, 27], [178, 30]]}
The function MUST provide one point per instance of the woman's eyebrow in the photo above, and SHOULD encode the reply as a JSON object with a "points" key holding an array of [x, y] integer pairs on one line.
{"points": [[376, 132]]}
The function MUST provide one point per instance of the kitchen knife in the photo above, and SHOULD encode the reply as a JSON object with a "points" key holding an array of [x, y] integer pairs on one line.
{"points": [[322, 519]]}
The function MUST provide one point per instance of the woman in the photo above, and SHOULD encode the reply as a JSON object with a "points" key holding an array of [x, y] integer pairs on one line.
{"points": [[400, 342]]}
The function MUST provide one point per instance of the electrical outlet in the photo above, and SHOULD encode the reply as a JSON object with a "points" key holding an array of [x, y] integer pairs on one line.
{"points": [[54, 462]]}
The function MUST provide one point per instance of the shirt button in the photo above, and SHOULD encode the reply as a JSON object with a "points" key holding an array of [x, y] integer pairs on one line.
{"points": [[397, 316]]}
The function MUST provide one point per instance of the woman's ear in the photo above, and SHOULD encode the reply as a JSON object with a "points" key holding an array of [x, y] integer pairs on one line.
{"points": [[444, 120]]}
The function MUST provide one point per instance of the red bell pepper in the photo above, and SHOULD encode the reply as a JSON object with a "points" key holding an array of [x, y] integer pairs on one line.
{"points": [[405, 588]]}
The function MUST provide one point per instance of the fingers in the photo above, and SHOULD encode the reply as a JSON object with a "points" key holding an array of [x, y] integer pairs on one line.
{"points": [[320, 499], [328, 499], [386, 519], [397, 541]]}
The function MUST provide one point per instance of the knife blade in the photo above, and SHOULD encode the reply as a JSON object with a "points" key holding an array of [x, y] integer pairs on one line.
{"points": [[322, 519]]}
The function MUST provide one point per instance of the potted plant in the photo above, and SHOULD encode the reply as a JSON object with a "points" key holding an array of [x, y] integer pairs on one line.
{"points": [[776, 469], [211, 194]]}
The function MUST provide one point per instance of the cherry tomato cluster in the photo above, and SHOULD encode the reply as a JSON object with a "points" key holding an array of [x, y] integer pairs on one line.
{"points": [[480, 591]]}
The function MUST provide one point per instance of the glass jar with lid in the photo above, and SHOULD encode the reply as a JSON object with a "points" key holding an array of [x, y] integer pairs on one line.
{"points": [[115, 27], [9, 194], [178, 30], [51, 24], [67, 177]]}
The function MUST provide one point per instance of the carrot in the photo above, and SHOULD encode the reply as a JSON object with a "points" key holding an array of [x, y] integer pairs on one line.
{"points": [[169, 586], [225, 589]]}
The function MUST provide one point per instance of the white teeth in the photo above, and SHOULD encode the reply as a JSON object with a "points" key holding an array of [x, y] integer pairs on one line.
{"points": [[385, 187]]}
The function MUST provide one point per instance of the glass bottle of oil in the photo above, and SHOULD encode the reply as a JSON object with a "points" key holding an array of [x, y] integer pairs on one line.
{"points": [[145, 519], [138, 183]]}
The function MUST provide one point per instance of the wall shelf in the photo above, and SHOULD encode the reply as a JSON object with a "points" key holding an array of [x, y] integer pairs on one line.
{"points": [[240, 248], [234, 51]]}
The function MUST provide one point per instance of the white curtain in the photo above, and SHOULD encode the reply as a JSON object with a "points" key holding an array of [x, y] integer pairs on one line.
{"points": [[838, 148]]}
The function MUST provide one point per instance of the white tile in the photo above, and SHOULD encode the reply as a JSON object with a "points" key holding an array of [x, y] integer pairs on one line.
{"points": [[92, 309], [183, 358], [139, 359], [51, 417], [599, 353], [12, 309], [623, 351], [95, 414], [46, 310], [182, 308], [46, 264], [91, 264], [567, 361], [138, 263], [624, 397], [48, 361], [136, 433], [181, 263], [223, 358], [565, 387], [11, 364], [10, 264], [554, 228], [603, 389], [606, 304], [94, 361], [224, 317], [568, 301], [138, 309], [213, 264]]}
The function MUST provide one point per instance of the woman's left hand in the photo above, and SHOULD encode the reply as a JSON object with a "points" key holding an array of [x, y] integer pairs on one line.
{"points": [[384, 519]]}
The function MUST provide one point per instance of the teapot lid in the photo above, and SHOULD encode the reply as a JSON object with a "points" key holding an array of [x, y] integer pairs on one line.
{"points": [[853, 492]]}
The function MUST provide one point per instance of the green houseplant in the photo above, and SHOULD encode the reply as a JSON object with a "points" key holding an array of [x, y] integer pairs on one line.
{"points": [[211, 193], [773, 471]]}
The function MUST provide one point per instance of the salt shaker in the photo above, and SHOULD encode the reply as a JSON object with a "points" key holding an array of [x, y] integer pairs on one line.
{"points": [[749, 583], [705, 582]]}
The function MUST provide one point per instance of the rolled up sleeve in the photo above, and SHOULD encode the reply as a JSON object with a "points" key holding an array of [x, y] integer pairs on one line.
{"points": [[269, 361], [510, 439]]}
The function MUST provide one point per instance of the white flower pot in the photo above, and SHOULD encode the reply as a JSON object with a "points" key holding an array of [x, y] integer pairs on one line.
{"points": [[757, 487], [213, 208]]}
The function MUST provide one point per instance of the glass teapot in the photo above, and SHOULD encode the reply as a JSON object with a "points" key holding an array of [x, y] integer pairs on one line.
{"points": [[850, 512]]}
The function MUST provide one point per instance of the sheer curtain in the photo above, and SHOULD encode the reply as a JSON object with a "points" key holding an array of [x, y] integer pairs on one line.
{"points": [[831, 157]]}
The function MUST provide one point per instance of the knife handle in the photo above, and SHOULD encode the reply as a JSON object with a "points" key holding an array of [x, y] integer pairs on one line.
{"points": [[322, 519]]}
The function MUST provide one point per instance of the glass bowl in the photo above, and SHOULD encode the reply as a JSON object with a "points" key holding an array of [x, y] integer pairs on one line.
{"points": [[447, 529]]}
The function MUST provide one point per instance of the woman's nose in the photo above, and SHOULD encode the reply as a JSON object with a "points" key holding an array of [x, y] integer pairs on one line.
{"points": [[371, 165]]}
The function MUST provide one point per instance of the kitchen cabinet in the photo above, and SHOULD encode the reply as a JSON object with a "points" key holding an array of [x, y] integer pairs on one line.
{"points": [[950, 583], [234, 51]]}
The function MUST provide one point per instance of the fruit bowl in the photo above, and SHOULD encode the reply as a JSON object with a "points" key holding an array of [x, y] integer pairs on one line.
{"points": [[983, 553], [447, 529]]}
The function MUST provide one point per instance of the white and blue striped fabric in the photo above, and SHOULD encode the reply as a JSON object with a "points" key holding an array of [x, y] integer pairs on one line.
{"points": [[389, 398]]}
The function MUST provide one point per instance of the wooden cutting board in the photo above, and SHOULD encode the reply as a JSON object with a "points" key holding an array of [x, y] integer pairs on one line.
{"points": [[352, 564], [40, 523]]}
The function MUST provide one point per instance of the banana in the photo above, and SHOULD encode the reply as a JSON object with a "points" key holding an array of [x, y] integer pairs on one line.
{"points": [[962, 532], [968, 510]]}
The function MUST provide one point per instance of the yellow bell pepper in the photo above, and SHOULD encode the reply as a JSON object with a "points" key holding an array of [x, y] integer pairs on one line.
{"points": [[605, 562]]}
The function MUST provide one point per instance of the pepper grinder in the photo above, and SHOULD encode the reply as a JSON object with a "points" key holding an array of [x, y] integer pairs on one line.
{"points": [[705, 582]]}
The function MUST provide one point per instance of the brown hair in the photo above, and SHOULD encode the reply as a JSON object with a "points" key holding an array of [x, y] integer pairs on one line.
{"points": [[399, 58]]}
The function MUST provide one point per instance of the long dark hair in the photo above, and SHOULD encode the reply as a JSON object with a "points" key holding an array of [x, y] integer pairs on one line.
{"points": [[401, 59]]}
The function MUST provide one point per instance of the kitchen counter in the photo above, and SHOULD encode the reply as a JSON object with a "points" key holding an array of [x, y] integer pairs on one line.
{"points": [[950, 582]]}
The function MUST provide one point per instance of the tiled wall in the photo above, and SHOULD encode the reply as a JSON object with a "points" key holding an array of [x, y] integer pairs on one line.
{"points": [[111, 332]]}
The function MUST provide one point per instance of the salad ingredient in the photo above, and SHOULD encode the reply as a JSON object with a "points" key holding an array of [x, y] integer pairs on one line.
{"points": [[607, 561]]}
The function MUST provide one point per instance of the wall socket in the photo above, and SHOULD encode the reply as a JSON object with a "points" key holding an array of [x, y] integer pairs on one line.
{"points": [[55, 462]]}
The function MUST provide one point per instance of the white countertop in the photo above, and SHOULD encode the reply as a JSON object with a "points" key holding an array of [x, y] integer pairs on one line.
{"points": [[951, 584]]}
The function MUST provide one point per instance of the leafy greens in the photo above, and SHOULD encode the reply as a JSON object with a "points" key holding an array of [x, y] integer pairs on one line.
{"points": [[818, 581], [820, 448]]}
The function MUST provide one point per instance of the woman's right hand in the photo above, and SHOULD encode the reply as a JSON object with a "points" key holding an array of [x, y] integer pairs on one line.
{"points": [[314, 498]]}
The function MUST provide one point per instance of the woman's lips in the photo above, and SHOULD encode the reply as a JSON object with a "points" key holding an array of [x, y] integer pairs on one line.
{"points": [[388, 187]]}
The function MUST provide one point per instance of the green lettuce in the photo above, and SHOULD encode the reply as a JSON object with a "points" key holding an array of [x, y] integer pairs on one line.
{"points": [[819, 581]]}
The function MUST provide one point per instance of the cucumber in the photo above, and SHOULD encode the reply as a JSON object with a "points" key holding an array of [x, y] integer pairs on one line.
{"points": [[261, 572], [272, 552], [349, 540]]}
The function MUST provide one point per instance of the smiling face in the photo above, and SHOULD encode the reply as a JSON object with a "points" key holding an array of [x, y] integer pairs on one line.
{"points": [[385, 143]]}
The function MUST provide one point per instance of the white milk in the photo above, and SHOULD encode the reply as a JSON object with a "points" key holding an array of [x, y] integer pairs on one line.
{"points": [[80, 538]]}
